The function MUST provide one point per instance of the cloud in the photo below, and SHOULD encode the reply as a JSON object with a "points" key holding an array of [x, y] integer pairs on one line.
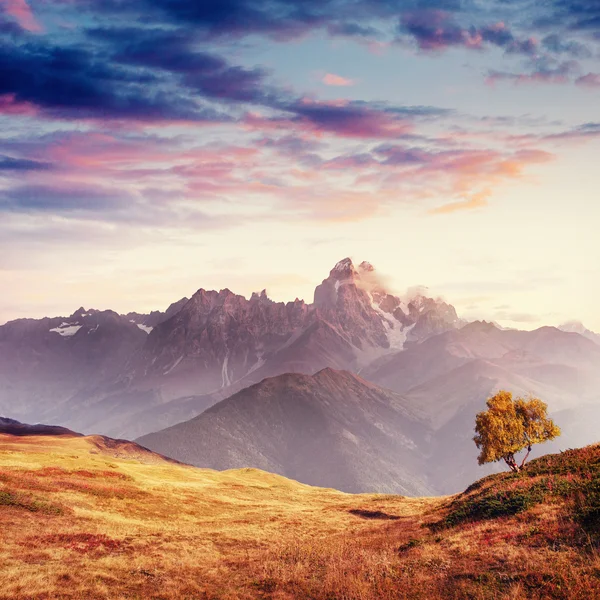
{"points": [[201, 72], [575, 15], [109, 205], [435, 29], [73, 82], [349, 119], [479, 200], [300, 154], [515, 317], [432, 24], [591, 81], [555, 43], [126, 79], [336, 80], [63, 198], [542, 70], [8, 163], [21, 12]]}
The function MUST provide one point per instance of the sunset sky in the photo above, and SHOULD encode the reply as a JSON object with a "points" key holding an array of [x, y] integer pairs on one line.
{"points": [[151, 148]]}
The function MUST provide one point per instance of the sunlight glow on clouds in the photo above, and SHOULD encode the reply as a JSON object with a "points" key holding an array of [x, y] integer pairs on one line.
{"points": [[152, 124], [337, 80]]}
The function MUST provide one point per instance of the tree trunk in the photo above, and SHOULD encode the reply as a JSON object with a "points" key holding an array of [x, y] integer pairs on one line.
{"points": [[526, 456], [512, 463]]}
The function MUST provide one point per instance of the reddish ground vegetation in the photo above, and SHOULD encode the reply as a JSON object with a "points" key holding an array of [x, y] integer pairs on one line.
{"points": [[77, 524]]}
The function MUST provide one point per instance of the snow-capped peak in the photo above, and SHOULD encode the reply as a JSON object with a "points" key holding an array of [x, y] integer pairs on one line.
{"points": [[344, 266]]}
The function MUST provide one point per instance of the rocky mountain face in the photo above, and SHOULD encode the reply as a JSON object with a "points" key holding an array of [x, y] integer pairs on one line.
{"points": [[437, 385], [331, 429], [220, 339], [44, 363], [218, 343], [147, 322], [128, 375]]}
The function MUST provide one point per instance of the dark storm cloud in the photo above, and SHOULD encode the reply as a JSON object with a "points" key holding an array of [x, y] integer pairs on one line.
{"points": [[77, 82], [174, 51], [159, 74], [165, 65]]}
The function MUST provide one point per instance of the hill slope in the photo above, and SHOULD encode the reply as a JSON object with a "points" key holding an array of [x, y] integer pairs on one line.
{"points": [[332, 429], [76, 522]]}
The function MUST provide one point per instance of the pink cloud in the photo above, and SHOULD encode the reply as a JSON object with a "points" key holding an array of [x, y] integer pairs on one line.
{"points": [[479, 200], [337, 80], [21, 12], [10, 106], [591, 81]]}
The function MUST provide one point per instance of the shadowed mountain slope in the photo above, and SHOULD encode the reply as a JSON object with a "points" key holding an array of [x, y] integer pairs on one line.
{"points": [[332, 429]]}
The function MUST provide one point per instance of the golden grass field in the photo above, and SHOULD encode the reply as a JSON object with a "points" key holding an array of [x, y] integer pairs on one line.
{"points": [[81, 519]]}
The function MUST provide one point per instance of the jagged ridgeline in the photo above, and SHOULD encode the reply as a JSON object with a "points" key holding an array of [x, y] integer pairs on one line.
{"points": [[383, 398], [130, 374]]}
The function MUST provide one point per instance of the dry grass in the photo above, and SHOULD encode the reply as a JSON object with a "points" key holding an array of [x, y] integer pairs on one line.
{"points": [[83, 522]]}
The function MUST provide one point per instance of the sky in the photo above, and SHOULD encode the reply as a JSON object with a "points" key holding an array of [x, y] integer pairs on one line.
{"points": [[151, 148]]}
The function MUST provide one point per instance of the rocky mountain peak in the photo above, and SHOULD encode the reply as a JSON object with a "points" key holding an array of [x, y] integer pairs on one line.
{"points": [[81, 313], [261, 298], [344, 269]]}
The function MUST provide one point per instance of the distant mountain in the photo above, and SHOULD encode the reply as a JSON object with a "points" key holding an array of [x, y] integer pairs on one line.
{"points": [[147, 322], [545, 354], [581, 329], [450, 376], [330, 429], [440, 384], [45, 363], [130, 374], [222, 341]]}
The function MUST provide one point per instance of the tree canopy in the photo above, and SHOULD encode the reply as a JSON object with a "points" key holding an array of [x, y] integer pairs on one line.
{"points": [[511, 425]]}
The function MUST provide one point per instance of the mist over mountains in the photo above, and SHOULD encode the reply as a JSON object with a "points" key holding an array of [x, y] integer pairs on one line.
{"points": [[361, 389]]}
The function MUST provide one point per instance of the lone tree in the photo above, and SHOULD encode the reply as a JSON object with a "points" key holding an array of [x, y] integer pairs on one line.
{"points": [[509, 426]]}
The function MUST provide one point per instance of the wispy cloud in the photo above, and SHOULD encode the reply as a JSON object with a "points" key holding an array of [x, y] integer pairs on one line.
{"points": [[591, 80], [479, 200], [336, 80]]}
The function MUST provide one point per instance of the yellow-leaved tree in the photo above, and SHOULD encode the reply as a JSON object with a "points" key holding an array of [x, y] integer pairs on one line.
{"points": [[511, 425]]}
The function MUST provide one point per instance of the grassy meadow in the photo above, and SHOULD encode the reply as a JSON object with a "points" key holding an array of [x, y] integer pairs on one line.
{"points": [[84, 518]]}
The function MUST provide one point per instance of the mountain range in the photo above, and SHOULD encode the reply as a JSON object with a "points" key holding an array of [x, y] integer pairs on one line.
{"points": [[361, 389]]}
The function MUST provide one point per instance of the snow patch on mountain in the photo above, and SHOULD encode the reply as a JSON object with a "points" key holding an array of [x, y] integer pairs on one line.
{"points": [[175, 364], [395, 332], [225, 372], [66, 329]]}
